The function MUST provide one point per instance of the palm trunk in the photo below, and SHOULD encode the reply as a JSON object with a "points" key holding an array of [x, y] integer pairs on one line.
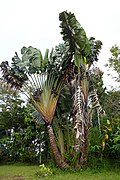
{"points": [[81, 121], [58, 158], [84, 149]]}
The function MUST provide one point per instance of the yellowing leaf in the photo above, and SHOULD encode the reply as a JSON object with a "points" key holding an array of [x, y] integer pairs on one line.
{"points": [[108, 122], [103, 145], [106, 136]]}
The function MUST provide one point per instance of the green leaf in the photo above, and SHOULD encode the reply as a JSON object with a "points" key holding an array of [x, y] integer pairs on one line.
{"points": [[73, 34], [78, 59]]}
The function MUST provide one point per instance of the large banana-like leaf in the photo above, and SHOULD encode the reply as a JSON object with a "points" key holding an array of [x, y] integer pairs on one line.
{"points": [[73, 34], [75, 37], [95, 46], [31, 61]]}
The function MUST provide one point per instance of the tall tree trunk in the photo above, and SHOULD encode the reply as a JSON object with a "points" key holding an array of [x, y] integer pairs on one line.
{"points": [[84, 149], [58, 158], [81, 122]]}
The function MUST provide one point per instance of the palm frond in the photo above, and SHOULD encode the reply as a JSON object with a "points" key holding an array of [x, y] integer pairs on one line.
{"points": [[46, 100], [36, 116]]}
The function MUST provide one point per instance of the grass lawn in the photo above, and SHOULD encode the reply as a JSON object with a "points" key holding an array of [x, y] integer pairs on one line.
{"points": [[27, 172]]}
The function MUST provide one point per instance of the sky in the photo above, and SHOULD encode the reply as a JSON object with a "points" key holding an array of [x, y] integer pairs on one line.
{"points": [[36, 23]]}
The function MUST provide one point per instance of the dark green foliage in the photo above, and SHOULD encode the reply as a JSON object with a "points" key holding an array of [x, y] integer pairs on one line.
{"points": [[112, 104], [25, 145], [106, 145], [111, 129], [73, 34], [95, 46], [21, 138], [115, 149], [12, 112], [14, 76]]}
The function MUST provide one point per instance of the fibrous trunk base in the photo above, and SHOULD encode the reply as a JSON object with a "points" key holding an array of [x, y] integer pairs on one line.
{"points": [[60, 162]]}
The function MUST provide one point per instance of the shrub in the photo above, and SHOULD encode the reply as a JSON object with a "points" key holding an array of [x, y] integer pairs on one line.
{"points": [[43, 171]]}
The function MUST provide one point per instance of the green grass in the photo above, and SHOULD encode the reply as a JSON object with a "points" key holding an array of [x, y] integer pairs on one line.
{"points": [[27, 172]]}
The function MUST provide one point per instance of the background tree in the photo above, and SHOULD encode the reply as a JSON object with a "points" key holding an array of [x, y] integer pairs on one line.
{"points": [[108, 143], [12, 111], [114, 62], [21, 138]]}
